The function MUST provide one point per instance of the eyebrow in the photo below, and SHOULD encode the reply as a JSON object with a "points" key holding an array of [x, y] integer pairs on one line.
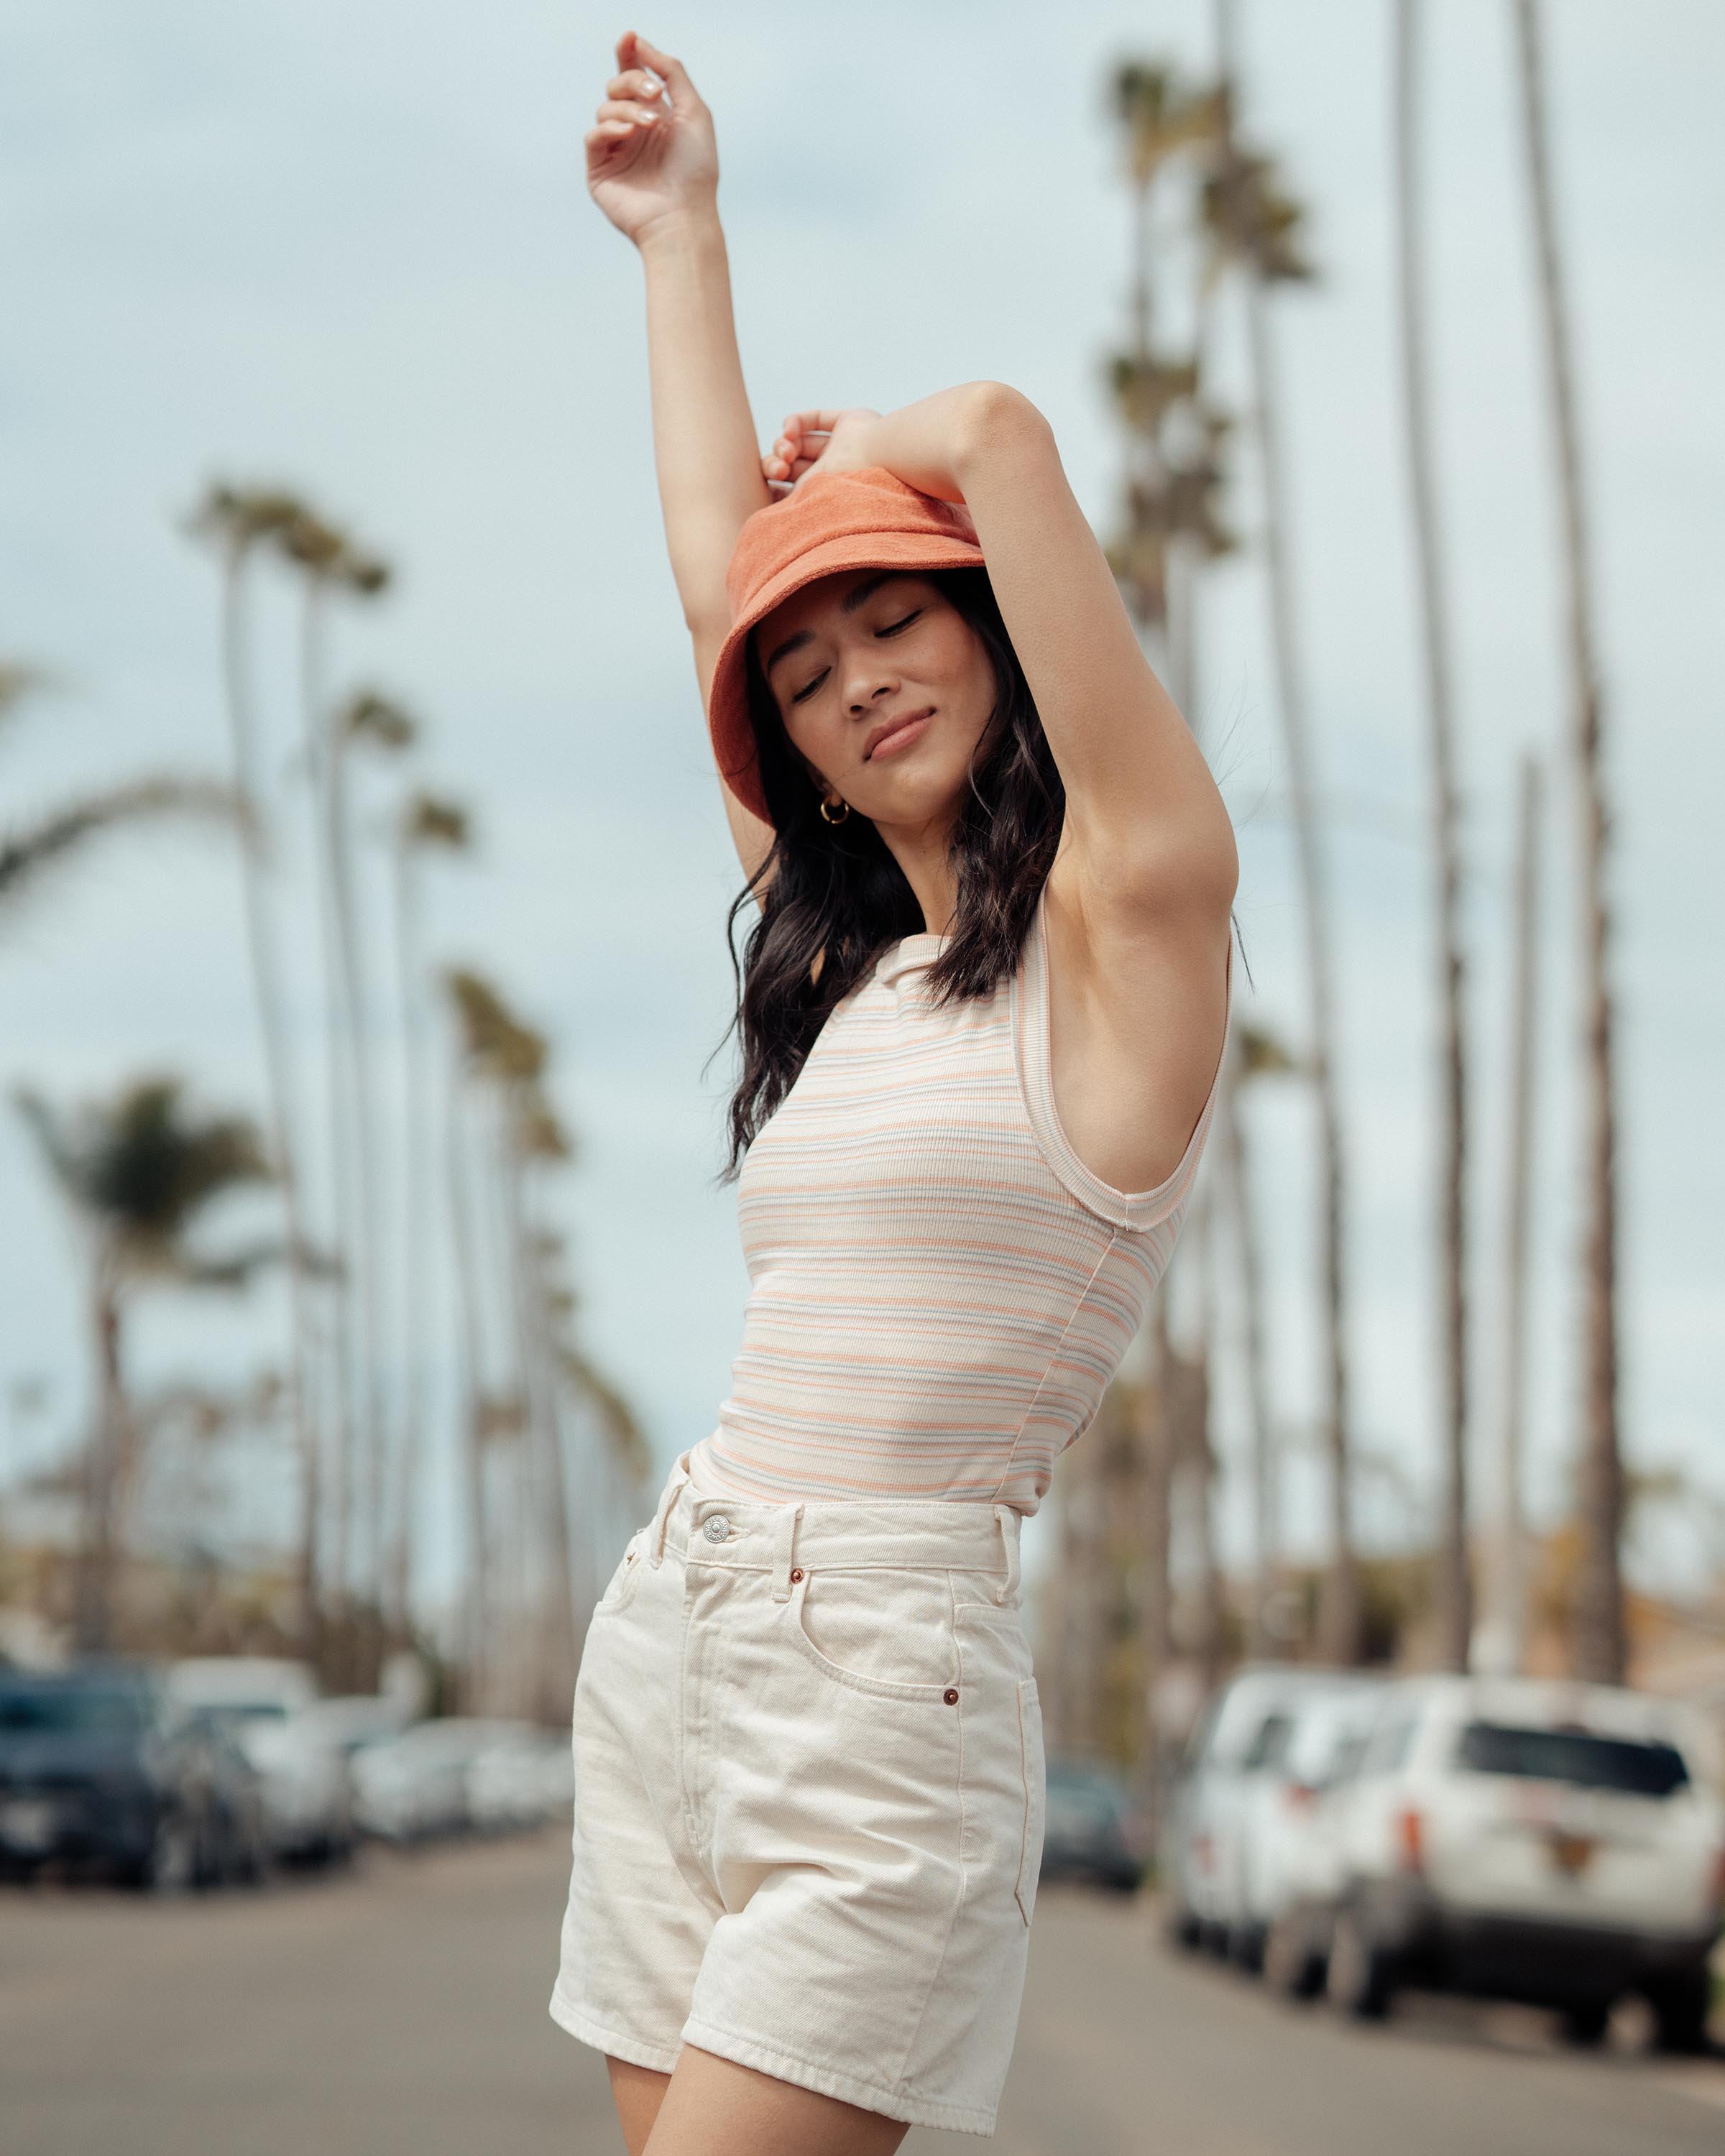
{"points": [[856, 597]]}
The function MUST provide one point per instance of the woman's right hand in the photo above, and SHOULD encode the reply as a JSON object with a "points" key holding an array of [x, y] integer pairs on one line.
{"points": [[650, 155]]}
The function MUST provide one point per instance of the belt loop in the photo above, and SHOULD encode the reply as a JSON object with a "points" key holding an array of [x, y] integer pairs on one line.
{"points": [[784, 1546], [668, 1498], [1007, 1519]]}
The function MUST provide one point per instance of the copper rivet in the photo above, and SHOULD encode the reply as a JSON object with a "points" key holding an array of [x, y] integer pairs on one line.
{"points": [[795, 1571], [952, 1698]]}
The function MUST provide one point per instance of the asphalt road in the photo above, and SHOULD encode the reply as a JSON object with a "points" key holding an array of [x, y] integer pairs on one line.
{"points": [[403, 2010]]}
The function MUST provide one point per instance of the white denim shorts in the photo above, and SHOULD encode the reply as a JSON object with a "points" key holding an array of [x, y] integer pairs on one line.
{"points": [[809, 1800]]}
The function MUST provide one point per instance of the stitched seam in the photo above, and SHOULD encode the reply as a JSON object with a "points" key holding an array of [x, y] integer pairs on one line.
{"points": [[1079, 1302], [903, 2081]]}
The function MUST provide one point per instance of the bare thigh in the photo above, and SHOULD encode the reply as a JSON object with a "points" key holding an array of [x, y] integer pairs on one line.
{"points": [[637, 2092], [712, 2106]]}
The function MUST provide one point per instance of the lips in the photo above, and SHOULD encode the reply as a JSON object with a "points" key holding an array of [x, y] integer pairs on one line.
{"points": [[879, 733]]}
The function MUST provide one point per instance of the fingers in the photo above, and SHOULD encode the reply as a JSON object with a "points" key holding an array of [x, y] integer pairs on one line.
{"points": [[633, 82], [628, 110], [633, 50]]}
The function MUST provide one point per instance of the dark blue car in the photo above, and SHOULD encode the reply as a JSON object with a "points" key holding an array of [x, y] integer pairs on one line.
{"points": [[98, 1772]]}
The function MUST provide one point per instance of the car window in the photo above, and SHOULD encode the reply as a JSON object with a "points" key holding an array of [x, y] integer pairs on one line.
{"points": [[1387, 1746], [1269, 1746], [81, 1708], [1590, 1761], [1344, 1762]]}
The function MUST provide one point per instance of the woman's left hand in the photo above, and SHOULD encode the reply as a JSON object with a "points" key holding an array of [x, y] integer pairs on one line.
{"points": [[821, 440]]}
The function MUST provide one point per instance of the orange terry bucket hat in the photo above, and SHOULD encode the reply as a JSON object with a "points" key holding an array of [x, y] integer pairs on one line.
{"points": [[841, 519]]}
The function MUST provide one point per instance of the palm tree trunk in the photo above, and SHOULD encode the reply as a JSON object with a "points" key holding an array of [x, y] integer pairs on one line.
{"points": [[555, 1676], [1454, 1589], [1236, 1169], [415, 1254], [469, 1344], [95, 1601], [1339, 1609], [267, 989], [1600, 1647], [368, 1210], [318, 763], [1502, 1647]]}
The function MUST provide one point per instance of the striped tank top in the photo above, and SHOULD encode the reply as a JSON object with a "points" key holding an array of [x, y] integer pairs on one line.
{"points": [[940, 1289]]}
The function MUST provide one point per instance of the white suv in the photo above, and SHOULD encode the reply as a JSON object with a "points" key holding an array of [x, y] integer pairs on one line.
{"points": [[1231, 1774], [1557, 1843]]}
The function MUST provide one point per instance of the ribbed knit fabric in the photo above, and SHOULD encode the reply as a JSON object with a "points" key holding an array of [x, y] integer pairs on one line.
{"points": [[940, 1289]]}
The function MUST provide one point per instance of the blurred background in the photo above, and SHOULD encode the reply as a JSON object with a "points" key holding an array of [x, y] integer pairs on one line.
{"points": [[363, 998]]}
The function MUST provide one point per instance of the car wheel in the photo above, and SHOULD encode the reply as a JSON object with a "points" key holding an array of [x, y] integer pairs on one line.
{"points": [[170, 1865], [1291, 1969], [1359, 1981], [1246, 1947], [1180, 1928], [1584, 2022], [1680, 2013]]}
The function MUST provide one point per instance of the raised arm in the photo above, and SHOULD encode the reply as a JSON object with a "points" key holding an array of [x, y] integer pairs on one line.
{"points": [[1144, 819], [652, 168], [1140, 892]]}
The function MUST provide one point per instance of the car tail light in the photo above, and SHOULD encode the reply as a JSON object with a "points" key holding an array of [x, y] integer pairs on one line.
{"points": [[1411, 1839], [1203, 1852], [1297, 1795]]}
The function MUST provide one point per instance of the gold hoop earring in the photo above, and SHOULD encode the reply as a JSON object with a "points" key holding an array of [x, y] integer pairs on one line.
{"points": [[826, 812]]}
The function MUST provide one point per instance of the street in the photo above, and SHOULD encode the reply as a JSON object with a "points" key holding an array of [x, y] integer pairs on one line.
{"points": [[401, 2013]]}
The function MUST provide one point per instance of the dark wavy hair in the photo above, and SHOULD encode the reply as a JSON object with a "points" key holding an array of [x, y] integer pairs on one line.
{"points": [[836, 888]]}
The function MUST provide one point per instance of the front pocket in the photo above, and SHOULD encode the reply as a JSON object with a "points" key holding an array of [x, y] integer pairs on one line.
{"points": [[1030, 1752], [622, 1582], [937, 1693]]}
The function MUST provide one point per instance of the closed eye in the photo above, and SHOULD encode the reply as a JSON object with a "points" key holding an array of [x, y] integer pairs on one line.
{"points": [[892, 629]]}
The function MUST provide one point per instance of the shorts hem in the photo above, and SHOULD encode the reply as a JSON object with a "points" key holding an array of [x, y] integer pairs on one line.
{"points": [[631, 2049], [848, 2088]]}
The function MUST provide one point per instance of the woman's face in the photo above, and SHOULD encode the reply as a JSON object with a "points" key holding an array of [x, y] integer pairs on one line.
{"points": [[850, 659]]}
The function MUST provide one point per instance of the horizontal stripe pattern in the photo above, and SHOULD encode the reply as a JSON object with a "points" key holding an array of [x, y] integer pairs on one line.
{"points": [[939, 1289]]}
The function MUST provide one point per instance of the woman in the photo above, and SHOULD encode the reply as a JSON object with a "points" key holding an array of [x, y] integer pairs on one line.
{"points": [[983, 1016]]}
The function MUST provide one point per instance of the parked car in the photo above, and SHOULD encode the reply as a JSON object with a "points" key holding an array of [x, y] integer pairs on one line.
{"points": [[1091, 1828], [99, 1770], [1302, 1859], [1561, 1844], [268, 1709], [1236, 1749], [411, 1787], [519, 1777]]}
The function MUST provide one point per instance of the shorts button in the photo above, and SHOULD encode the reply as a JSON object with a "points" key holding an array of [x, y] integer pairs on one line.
{"points": [[951, 1696], [717, 1529], [796, 1574]]}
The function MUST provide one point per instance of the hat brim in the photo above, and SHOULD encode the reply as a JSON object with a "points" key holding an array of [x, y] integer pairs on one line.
{"points": [[733, 737]]}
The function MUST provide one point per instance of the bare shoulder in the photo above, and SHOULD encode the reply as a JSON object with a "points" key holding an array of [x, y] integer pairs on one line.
{"points": [[1137, 1015]]}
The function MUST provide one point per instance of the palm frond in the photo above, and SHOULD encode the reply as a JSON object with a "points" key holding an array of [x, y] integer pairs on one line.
{"points": [[27, 852]]}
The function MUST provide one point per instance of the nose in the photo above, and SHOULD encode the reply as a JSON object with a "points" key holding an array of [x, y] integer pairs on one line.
{"points": [[868, 681]]}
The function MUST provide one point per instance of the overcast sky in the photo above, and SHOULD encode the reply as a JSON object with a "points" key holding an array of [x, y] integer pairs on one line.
{"points": [[350, 246]]}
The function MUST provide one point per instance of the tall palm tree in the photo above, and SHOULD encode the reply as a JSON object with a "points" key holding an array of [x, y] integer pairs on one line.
{"points": [[236, 520], [137, 1172], [367, 721], [1600, 1647], [1500, 1646], [1253, 1054], [1172, 528], [1454, 1591], [330, 562], [1255, 223], [477, 1422], [422, 823]]}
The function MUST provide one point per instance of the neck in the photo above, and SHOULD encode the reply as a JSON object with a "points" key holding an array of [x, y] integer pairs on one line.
{"points": [[926, 859]]}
